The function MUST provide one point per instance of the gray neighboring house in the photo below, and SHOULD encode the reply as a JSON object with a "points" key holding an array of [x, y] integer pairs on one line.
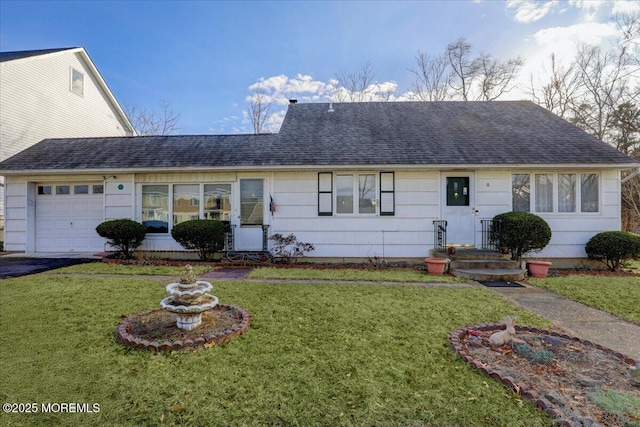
{"points": [[357, 180]]}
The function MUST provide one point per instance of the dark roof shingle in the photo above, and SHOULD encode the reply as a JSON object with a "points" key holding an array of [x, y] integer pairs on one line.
{"points": [[19, 54], [354, 134]]}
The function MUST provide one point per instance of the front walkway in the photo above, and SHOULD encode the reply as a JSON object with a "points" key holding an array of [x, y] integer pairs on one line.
{"points": [[578, 319]]}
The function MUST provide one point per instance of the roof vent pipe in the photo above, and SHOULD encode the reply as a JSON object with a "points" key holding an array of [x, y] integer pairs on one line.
{"points": [[330, 110]]}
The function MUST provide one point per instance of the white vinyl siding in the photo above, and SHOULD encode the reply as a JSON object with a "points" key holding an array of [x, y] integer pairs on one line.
{"points": [[36, 103]]}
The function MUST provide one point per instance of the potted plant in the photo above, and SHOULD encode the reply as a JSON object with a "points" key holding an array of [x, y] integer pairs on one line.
{"points": [[436, 265], [524, 232]]}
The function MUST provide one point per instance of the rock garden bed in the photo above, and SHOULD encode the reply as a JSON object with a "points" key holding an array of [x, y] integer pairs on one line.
{"points": [[577, 382]]}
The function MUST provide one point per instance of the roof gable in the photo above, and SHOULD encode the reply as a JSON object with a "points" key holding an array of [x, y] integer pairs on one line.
{"points": [[11, 57]]}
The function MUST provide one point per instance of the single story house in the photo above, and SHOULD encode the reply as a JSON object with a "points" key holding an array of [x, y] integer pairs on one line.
{"points": [[357, 180]]}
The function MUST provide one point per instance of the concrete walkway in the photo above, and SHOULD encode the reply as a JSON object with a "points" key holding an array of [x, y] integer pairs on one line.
{"points": [[578, 319]]}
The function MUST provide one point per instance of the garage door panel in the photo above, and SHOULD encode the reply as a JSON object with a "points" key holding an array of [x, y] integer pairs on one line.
{"points": [[67, 222]]}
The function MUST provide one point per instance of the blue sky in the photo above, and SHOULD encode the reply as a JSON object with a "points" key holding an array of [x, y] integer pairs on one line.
{"points": [[203, 56]]}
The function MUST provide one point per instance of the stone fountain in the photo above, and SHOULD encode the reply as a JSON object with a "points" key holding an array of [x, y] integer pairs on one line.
{"points": [[189, 299]]}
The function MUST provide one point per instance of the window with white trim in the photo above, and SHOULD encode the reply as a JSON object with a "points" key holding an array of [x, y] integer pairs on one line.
{"points": [[159, 216], [356, 193], [76, 84], [556, 192]]}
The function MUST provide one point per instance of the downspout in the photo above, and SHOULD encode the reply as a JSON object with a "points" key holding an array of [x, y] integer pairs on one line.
{"points": [[627, 178]]}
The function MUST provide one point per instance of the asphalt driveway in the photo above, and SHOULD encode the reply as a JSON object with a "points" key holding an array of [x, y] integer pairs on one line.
{"points": [[18, 266]]}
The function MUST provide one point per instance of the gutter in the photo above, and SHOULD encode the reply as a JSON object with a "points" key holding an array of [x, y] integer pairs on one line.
{"points": [[633, 174]]}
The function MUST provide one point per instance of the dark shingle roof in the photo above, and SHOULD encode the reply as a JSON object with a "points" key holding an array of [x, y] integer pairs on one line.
{"points": [[354, 134], [10, 56], [458, 133]]}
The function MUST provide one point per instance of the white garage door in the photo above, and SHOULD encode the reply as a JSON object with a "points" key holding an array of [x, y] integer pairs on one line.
{"points": [[67, 215]]}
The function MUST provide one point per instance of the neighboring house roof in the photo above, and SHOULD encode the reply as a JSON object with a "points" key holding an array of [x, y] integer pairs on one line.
{"points": [[26, 54], [20, 54], [437, 134]]}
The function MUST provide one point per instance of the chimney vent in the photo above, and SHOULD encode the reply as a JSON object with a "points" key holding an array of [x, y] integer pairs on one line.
{"points": [[293, 101], [330, 110]]}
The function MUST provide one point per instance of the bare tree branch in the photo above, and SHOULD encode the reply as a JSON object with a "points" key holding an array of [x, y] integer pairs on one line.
{"points": [[147, 122], [432, 77], [464, 68], [496, 77], [259, 110]]}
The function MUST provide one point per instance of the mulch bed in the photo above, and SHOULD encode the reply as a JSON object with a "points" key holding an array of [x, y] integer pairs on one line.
{"points": [[567, 382], [156, 330]]}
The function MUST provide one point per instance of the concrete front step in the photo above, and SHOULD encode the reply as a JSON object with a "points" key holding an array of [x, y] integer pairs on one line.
{"points": [[489, 274], [469, 254], [474, 264]]}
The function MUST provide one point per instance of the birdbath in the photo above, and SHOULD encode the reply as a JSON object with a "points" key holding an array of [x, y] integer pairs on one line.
{"points": [[189, 299]]}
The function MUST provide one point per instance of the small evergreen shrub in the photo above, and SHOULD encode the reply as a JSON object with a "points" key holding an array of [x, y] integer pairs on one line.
{"points": [[536, 357], [613, 248], [287, 248], [522, 232], [206, 236], [123, 234]]}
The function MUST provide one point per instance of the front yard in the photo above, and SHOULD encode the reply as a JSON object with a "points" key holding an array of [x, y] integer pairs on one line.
{"points": [[315, 354]]}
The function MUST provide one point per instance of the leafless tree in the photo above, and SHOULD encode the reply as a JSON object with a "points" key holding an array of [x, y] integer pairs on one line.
{"points": [[464, 68], [361, 86], [432, 77], [603, 77], [479, 78], [629, 26], [149, 122], [557, 95], [496, 77], [260, 105]]}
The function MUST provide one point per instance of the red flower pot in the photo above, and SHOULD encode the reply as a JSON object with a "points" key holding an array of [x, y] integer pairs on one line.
{"points": [[436, 265], [538, 269]]}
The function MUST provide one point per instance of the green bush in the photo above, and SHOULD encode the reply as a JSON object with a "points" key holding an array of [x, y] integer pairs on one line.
{"points": [[204, 235], [522, 232], [613, 247], [124, 234]]}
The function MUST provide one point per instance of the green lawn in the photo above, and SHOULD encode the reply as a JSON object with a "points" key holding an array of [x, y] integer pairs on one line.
{"points": [[141, 270], [382, 275], [323, 354], [615, 294]]}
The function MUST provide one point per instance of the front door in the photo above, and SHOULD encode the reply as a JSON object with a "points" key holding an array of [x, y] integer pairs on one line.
{"points": [[251, 215], [458, 208]]}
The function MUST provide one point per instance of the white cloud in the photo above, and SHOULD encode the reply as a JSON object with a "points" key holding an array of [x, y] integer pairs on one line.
{"points": [[589, 7], [625, 7], [530, 10]]}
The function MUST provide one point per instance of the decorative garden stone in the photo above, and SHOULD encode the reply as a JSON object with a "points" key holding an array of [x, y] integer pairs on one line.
{"points": [[506, 336]]}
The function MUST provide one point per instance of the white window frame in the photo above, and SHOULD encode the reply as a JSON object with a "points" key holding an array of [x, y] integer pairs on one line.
{"points": [[555, 187], [201, 207], [72, 89], [355, 188]]}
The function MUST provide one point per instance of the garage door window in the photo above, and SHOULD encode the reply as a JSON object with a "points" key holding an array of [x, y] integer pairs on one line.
{"points": [[44, 190], [63, 189], [80, 189]]}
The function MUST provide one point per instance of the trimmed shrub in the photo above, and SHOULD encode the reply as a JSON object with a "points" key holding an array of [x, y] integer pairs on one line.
{"points": [[206, 236], [523, 232], [124, 234], [613, 248]]}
